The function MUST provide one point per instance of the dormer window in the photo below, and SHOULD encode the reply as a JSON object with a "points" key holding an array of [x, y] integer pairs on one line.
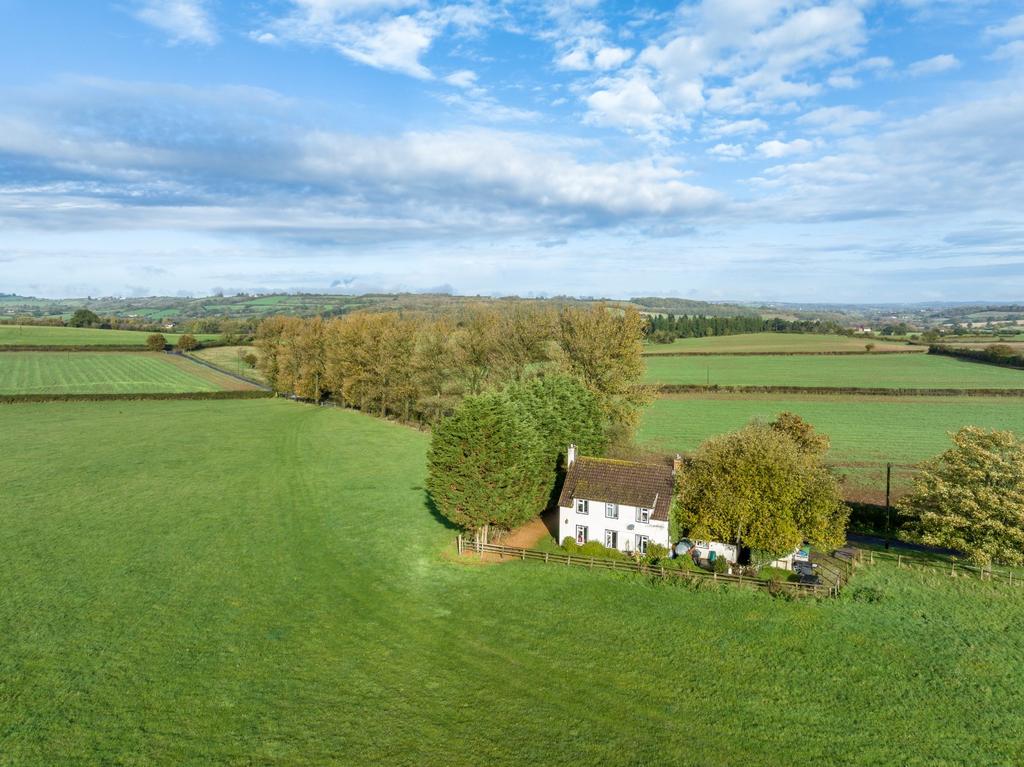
{"points": [[643, 516]]}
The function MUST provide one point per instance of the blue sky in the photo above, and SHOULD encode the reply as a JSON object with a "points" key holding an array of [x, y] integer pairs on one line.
{"points": [[722, 149]]}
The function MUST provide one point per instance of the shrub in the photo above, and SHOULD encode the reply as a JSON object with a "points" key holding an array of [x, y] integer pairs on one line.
{"points": [[570, 545], [866, 594], [655, 553], [249, 359], [720, 565], [597, 549]]}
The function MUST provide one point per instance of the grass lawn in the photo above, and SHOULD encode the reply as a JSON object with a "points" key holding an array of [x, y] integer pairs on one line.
{"points": [[105, 373], [262, 582], [41, 335], [880, 371], [865, 431], [229, 358], [775, 342]]}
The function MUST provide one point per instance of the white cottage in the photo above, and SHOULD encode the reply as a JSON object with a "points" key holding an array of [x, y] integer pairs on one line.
{"points": [[622, 504]]}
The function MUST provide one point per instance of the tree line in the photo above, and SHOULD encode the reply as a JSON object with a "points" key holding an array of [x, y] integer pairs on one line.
{"points": [[995, 354], [419, 368], [665, 328]]}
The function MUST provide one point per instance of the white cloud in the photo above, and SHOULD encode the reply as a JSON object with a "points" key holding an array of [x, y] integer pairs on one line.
{"points": [[1011, 50], [464, 78], [843, 82], [936, 64], [838, 120], [184, 20], [627, 102], [1013, 27], [776, 148], [612, 57], [720, 128], [727, 151]]}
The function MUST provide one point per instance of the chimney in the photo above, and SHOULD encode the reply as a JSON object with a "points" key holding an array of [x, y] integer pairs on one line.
{"points": [[677, 465], [570, 456]]}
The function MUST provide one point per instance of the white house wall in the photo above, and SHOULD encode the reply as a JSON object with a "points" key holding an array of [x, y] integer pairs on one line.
{"points": [[625, 526]]}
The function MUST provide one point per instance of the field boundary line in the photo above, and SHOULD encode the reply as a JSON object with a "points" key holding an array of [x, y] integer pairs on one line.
{"points": [[15, 399], [833, 390], [75, 348], [784, 354], [617, 565], [953, 568], [224, 371]]}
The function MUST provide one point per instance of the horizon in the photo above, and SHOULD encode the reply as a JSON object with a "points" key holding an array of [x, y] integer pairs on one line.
{"points": [[840, 153]]}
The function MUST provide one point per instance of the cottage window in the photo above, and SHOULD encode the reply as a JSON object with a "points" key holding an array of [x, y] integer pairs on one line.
{"points": [[582, 506], [641, 543], [611, 539], [581, 534], [643, 515], [611, 510]]}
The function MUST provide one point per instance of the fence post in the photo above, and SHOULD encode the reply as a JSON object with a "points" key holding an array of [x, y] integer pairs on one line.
{"points": [[899, 560], [459, 542], [872, 556], [545, 557], [523, 553]]}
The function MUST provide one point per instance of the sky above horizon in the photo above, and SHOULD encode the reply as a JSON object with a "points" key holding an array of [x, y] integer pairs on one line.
{"points": [[845, 151]]}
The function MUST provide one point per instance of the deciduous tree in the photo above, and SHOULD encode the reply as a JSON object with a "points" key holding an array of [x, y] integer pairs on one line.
{"points": [[156, 342], [971, 498], [187, 342], [756, 487]]}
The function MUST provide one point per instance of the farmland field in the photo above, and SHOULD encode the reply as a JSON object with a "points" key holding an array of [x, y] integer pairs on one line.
{"points": [[42, 335], [106, 373], [228, 358], [870, 371], [865, 431], [776, 342], [286, 600]]}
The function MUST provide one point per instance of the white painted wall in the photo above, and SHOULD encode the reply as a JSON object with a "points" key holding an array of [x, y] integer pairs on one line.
{"points": [[626, 526], [725, 550]]}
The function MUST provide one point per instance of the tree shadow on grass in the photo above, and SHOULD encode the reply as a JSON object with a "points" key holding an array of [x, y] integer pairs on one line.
{"points": [[428, 501]]}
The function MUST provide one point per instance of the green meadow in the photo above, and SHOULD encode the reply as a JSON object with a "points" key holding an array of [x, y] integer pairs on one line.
{"points": [[230, 358], [42, 335], [882, 371], [747, 343], [104, 373], [263, 582]]}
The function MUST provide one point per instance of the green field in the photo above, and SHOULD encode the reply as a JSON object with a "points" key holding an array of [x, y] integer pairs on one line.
{"points": [[775, 342], [883, 371], [42, 335], [104, 373], [865, 432], [227, 358], [285, 599]]}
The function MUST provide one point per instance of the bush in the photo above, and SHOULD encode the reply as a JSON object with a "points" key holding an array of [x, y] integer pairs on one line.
{"points": [[655, 553], [569, 545], [598, 550], [720, 565], [866, 594], [249, 359]]}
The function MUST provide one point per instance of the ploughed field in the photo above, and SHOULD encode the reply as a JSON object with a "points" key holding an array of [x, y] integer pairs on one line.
{"points": [[747, 343], [106, 373], [264, 582], [42, 335], [881, 371]]}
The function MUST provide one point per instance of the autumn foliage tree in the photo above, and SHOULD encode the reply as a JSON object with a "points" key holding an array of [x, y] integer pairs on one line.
{"points": [[156, 342], [971, 498], [758, 487], [187, 342]]}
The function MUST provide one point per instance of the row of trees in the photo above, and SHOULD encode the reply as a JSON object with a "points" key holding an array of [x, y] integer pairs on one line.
{"points": [[996, 354], [667, 328], [419, 368]]}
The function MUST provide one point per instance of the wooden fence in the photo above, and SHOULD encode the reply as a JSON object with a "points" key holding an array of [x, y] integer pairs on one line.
{"points": [[951, 568], [830, 589]]}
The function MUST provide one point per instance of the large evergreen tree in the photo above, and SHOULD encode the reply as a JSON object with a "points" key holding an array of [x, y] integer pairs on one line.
{"points": [[486, 465], [757, 487], [971, 498]]}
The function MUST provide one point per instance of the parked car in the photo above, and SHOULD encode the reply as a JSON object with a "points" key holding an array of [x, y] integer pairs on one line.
{"points": [[810, 580], [804, 568]]}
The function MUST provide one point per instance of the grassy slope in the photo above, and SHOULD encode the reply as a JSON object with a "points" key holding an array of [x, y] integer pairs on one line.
{"points": [[40, 335], [226, 357], [280, 599], [773, 342], [881, 371], [102, 372]]}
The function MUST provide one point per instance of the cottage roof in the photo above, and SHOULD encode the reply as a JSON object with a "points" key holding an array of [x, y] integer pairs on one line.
{"points": [[647, 485]]}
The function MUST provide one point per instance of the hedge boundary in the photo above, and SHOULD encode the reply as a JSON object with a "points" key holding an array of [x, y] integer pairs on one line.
{"points": [[13, 399], [784, 354], [859, 391], [984, 356]]}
